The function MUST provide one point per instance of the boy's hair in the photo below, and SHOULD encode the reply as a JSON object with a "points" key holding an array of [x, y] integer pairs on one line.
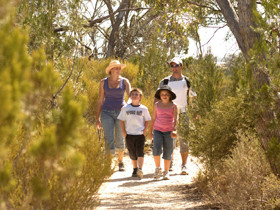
{"points": [[136, 90]]}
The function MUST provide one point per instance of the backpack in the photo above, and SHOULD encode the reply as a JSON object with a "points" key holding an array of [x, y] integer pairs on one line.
{"points": [[165, 82]]}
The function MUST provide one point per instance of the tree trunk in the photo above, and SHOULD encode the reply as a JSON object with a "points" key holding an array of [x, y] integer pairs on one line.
{"points": [[233, 23], [115, 29], [242, 26]]}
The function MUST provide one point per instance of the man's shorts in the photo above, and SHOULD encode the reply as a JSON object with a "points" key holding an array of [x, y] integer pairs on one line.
{"points": [[184, 145]]}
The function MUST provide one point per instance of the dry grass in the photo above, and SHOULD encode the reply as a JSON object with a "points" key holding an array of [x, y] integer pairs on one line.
{"points": [[244, 180]]}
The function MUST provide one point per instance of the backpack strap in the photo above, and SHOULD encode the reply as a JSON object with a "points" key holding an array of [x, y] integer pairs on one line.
{"points": [[188, 82], [166, 80], [188, 91]]}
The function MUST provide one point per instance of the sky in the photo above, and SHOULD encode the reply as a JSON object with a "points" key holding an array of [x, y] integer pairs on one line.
{"points": [[218, 45]]}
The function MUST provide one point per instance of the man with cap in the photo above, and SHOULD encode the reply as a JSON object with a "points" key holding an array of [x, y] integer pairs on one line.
{"points": [[180, 85]]}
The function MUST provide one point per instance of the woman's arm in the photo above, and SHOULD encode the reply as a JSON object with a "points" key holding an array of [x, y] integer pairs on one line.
{"points": [[154, 116], [99, 104], [127, 86]]}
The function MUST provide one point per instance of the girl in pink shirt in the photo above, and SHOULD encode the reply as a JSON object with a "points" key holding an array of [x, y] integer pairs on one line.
{"points": [[163, 124]]}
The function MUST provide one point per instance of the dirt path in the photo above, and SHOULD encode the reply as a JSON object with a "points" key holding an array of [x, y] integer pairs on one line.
{"points": [[125, 192]]}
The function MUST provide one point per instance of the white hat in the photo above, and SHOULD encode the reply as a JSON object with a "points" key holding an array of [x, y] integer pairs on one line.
{"points": [[114, 63], [176, 60]]}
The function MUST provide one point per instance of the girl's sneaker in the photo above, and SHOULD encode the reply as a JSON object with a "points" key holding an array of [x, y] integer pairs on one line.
{"points": [[157, 173], [171, 166], [184, 170], [166, 175]]}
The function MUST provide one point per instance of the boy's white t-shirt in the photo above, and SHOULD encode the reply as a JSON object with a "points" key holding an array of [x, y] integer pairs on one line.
{"points": [[134, 118]]}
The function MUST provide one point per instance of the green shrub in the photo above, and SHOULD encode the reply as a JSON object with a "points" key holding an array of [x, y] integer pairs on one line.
{"points": [[211, 137], [207, 79]]}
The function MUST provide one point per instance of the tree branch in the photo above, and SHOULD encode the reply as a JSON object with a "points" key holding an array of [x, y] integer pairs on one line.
{"points": [[202, 6], [100, 20], [61, 88], [82, 44], [213, 34]]}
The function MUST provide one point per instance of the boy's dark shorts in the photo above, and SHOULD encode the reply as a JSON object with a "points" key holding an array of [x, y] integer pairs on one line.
{"points": [[135, 146]]}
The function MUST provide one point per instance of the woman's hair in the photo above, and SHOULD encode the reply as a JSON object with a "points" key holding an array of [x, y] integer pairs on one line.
{"points": [[136, 90], [169, 94]]}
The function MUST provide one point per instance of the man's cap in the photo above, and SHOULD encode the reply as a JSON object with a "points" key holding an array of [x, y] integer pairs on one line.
{"points": [[176, 60]]}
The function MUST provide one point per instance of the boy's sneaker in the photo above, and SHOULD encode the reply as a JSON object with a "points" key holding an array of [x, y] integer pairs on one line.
{"points": [[140, 173], [157, 173], [121, 166], [166, 175], [184, 170], [171, 166], [134, 173]]}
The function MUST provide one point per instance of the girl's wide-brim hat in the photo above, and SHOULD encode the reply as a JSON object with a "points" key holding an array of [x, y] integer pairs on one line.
{"points": [[114, 63], [165, 87]]}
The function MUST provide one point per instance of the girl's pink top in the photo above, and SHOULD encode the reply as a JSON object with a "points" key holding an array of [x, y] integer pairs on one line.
{"points": [[165, 119]]}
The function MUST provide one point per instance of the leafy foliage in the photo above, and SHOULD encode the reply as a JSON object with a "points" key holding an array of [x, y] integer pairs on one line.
{"points": [[207, 80]]}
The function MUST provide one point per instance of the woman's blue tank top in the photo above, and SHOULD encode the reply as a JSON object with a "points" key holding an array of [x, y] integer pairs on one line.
{"points": [[114, 97]]}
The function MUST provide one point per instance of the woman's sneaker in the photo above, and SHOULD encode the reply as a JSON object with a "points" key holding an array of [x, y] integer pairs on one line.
{"points": [[121, 166], [157, 173], [140, 173], [166, 175]]}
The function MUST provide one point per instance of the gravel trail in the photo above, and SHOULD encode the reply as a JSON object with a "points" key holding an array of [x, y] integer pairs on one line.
{"points": [[122, 191]]}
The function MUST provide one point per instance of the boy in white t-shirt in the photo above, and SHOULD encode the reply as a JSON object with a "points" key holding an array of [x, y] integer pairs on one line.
{"points": [[134, 119]]}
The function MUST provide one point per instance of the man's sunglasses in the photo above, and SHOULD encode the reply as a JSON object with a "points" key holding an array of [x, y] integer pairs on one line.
{"points": [[177, 65]]}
